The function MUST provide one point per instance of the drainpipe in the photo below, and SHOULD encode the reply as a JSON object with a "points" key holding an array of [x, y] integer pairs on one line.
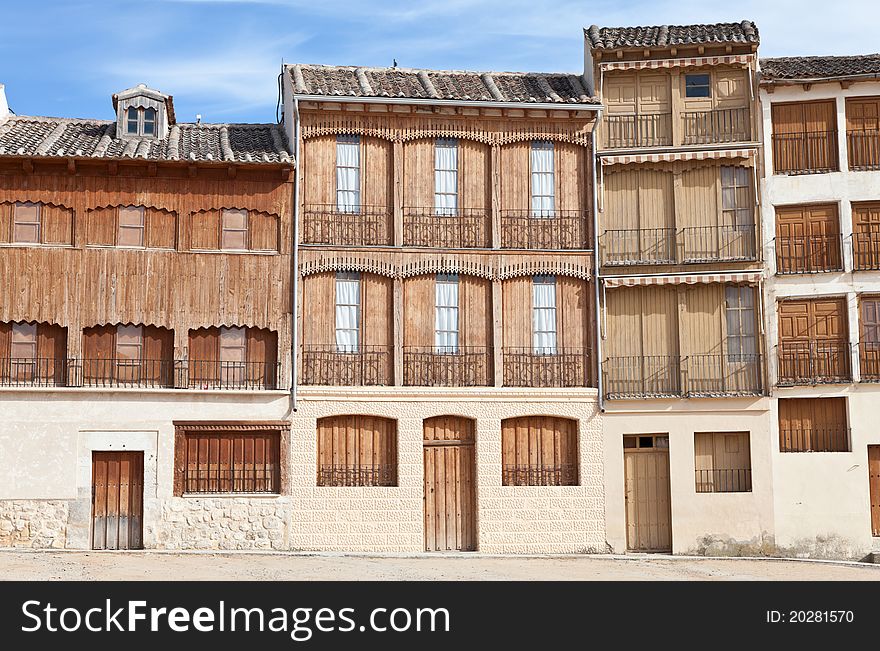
{"points": [[294, 265], [596, 279]]}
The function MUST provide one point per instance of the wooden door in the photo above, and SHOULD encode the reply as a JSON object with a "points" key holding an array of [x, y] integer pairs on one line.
{"points": [[874, 483], [450, 484], [648, 502], [808, 239], [813, 339], [813, 425], [866, 236], [117, 500]]}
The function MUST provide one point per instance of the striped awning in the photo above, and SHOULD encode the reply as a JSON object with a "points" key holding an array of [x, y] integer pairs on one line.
{"points": [[727, 59], [750, 277], [671, 156]]}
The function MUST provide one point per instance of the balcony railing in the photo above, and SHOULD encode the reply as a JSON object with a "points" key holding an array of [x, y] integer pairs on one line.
{"points": [[827, 439], [806, 152], [460, 228], [213, 374], [814, 362], [638, 246], [461, 366], [38, 372], [687, 245], [866, 251], [563, 367], [808, 254], [716, 126], [631, 131], [359, 226], [141, 373], [724, 480], [552, 229], [561, 475], [863, 149], [728, 243], [345, 475], [869, 361], [665, 376], [330, 365]]}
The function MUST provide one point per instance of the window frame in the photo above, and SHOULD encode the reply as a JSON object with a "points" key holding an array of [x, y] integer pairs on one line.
{"points": [[553, 349], [718, 464], [689, 86], [541, 212], [16, 221], [141, 210], [443, 337], [743, 315], [349, 140], [450, 144], [23, 368], [224, 228], [741, 192], [355, 278], [140, 121]]}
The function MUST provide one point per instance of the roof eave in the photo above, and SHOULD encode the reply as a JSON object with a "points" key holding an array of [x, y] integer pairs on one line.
{"points": [[172, 162], [820, 80], [348, 99]]}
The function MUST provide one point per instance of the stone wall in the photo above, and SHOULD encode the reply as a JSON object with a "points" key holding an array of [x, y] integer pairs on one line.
{"points": [[39, 524]]}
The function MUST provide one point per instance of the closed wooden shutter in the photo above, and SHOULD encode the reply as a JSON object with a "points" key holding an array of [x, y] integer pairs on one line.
{"points": [[204, 356], [808, 239], [101, 226], [356, 451], [813, 340], [539, 451], [804, 136], [228, 462], [57, 224], [5, 346], [205, 230], [262, 358], [52, 351], [264, 227], [161, 229], [99, 352], [866, 235], [722, 462], [813, 425], [158, 356]]}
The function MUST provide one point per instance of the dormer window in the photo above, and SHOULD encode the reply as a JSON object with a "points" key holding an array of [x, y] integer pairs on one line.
{"points": [[140, 121], [143, 112]]}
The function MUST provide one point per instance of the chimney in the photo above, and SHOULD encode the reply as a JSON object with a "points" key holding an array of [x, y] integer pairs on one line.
{"points": [[4, 107]]}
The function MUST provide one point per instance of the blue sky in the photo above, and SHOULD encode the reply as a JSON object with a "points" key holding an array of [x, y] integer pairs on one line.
{"points": [[220, 58]]}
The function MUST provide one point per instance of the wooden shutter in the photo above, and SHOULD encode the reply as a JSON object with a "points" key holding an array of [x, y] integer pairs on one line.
{"points": [[5, 346], [228, 462], [101, 226], [356, 451], [264, 227], [204, 356], [722, 461], [205, 230], [6, 210], [262, 358], [158, 355], [52, 348], [870, 320], [161, 229], [99, 350], [808, 238], [813, 424], [57, 224], [539, 451]]}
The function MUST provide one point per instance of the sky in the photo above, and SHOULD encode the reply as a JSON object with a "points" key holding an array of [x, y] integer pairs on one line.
{"points": [[221, 58]]}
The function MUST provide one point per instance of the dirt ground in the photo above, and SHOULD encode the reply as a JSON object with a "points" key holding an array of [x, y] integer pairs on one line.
{"points": [[126, 566]]}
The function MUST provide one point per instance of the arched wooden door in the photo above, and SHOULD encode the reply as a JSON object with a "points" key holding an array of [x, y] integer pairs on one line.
{"points": [[450, 484]]}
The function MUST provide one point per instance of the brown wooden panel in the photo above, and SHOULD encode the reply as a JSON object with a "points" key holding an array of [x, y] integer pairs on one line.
{"points": [[475, 311], [205, 230], [319, 309], [377, 310], [573, 301], [516, 319], [572, 177], [99, 346], [161, 229], [319, 157], [56, 224], [376, 172], [813, 424], [230, 461], [474, 175], [418, 173], [874, 487], [539, 451], [101, 226], [515, 180], [117, 500], [647, 496], [264, 231], [262, 357], [419, 299], [6, 210], [356, 451], [204, 348]]}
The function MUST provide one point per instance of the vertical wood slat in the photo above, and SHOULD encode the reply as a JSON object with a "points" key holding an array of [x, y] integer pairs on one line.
{"points": [[647, 496], [117, 500], [356, 451], [874, 487]]}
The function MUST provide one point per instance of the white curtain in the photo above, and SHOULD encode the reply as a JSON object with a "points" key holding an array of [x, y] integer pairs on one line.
{"points": [[446, 314], [541, 162], [445, 176], [544, 315], [348, 300], [348, 174]]}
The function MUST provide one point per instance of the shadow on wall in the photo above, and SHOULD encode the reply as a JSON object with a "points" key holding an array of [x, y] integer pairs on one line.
{"points": [[831, 546]]}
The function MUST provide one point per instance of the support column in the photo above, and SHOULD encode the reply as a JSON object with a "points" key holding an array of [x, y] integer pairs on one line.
{"points": [[74, 353], [181, 356], [397, 211], [495, 167], [676, 106], [398, 332], [497, 333], [852, 314]]}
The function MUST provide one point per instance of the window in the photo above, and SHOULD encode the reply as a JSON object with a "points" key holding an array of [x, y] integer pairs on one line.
{"points": [[543, 193], [131, 121], [228, 462], [736, 196], [446, 314], [149, 122], [446, 176], [356, 451], [140, 121], [722, 461], [23, 352], [131, 226], [697, 85], [26, 223], [813, 425], [233, 347], [234, 230], [742, 343], [348, 174], [348, 312], [129, 352], [539, 451], [233, 358], [544, 315]]}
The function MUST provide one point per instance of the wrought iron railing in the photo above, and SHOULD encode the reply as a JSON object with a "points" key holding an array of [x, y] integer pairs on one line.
{"points": [[644, 376], [357, 226], [730, 374], [332, 365], [823, 439], [808, 254], [869, 361], [805, 152], [630, 131], [118, 372], [863, 149], [346, 475], [814, 362], [33, 372], [638, 246], [726, 243], [561, 367], [449, 228], [724, 480], [458, 366], [866, 251], [716, 126], [549, 229], [213, 374], [539, 475]]}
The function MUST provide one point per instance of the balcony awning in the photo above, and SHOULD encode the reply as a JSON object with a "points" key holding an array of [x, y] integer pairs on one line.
{"points": [[751, 277], [684, 62], [672, 156]]}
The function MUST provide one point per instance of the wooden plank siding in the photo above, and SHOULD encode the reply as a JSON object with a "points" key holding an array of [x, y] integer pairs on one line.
{"points": [[813, 425], [804, 137], [117, 500], [356, 451], [539, 451]]}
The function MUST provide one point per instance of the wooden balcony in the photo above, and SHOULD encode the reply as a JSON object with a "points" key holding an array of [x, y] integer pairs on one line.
{"points": [[716, 126], [808, 254], [328, 365], [143, 373], [551, 230], [866, 251], [462, 366], [728, 374], [806, 152], [814, 362], [564, 367], [39, 372], [670, 246], [634, 131], [360, 226], [460, 229], [863, 150]]}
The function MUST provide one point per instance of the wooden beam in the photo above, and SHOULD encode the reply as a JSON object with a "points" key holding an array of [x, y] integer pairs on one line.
{"points": [[845, 83], [152, 169], [113, 168], [231, 170], [193, 170], [701, 49], [807, 87], [28, 165], [71, 166], [674, 51]]}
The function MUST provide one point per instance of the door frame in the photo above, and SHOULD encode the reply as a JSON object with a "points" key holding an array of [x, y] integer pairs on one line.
{"points": [[138, 454], [654, 449], [875, 526]]}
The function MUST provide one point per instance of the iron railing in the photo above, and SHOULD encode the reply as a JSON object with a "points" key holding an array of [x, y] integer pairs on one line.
{"points": [[656, 376], [716, 126], [359, 226], [805, 152], [549, 229], [561, 367], [213, 374], [539, 475], [726, 243], [866, 251], [724, 480], [346, 475], [827, 439], [33, 372], [638, 246], [629, 131], [458, 366], [331, 365], [863, 149], [729, 374], [808, 254], [144, 373], [454, 228], [869, 361], [814, 362]]}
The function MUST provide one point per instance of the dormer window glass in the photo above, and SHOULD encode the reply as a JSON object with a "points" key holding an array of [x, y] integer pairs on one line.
{"points": [[132, 121], [149, 122], [140, 121]]}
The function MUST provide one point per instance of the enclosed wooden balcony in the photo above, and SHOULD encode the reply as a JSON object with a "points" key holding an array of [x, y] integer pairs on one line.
{"points": [[456, 228], [546, 229], [805, 152], [562, 367], [808, 254], [459, 366], [686, 245], [634, 131], [331, 365], [34, 372], [347, 226], [863, 149], [716, 126], [814, 362]]}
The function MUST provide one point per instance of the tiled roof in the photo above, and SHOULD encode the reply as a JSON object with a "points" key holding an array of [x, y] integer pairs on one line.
{"points": [[455, 85], [612, 38], [22, 135], [784, 68]]}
